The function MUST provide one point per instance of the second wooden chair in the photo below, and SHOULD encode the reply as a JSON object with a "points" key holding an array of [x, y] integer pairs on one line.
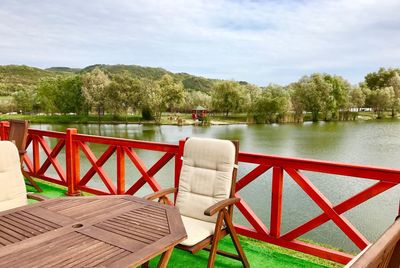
{"points": [[18, 135], [205, 196]]}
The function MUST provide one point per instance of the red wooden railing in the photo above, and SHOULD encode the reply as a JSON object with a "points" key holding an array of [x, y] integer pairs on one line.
{"points": [[77, 146]]}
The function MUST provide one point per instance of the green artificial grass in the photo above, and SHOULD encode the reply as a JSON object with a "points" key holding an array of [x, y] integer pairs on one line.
{"points": [[50, 190], [257, 257], [259, 254]]}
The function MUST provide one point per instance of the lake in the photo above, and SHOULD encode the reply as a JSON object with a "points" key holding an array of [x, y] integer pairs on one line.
{"points": [[373, 143]]}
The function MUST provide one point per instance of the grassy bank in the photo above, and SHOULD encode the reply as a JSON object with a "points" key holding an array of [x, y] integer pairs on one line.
{"points": [[68, 119], [167, 119]]}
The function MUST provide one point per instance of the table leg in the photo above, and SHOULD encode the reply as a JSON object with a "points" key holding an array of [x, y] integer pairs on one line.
{"points": [[145, 265], [165, 258], [31, 181]]}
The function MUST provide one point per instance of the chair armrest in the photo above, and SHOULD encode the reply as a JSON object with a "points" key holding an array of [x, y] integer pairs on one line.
{"points": [[220, 205], [37, 197], [160, 194]]}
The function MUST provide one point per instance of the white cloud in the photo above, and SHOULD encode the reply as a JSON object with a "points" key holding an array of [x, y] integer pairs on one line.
{"points": [[257, 41]]}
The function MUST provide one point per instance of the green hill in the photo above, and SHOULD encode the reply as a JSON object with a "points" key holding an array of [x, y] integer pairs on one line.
{"points": [[135, 70], [63, 70], [189, 81], [199, 83], [13, 77]]}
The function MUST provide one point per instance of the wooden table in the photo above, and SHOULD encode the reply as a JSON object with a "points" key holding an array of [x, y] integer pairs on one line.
{"points": [[99, 231]]}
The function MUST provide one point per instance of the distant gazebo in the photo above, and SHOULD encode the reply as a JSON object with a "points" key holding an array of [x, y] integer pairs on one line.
{"points": [[199, 113]]}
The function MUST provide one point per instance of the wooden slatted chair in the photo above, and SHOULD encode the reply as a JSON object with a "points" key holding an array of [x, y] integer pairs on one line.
{"points": [[18, 134], [205, 196], [12, 187]]}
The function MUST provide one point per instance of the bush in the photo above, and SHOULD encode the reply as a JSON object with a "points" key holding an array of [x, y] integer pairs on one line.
{"points": [[146, 114]]}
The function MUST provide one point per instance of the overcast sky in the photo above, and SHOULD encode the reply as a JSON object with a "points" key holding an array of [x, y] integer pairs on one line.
{"points": [[260, 42]]}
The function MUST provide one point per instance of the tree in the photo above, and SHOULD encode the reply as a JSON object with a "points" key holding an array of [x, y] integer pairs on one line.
{"points": [[158, 96], [123, 93], [313, 94], [94, 89], [296, 103], [394, 82], [340, 93], [380, 79], [25, 99], [381, 99], [384, 78], [171, 93], [357, 98], [195, 98], [62, 94], [47, 95], [200, 99], [226, 97], [274, 100], [250, 95], [149, 98], [69, 98]]}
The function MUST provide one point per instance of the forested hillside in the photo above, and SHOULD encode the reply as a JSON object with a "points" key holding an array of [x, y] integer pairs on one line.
{"points": [[125, 89], [14, 76]]}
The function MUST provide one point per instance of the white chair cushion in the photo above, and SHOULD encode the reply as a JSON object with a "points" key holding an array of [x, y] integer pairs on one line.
{"points": [[196, 230], [206, 176], [12, 185]]}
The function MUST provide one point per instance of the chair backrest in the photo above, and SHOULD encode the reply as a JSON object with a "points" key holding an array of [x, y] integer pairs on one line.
{"points": [[208, 175], [18, 134], [12, 185]]}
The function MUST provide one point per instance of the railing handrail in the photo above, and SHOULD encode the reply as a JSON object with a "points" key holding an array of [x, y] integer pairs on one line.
{"points": [[335, 168], [146, 145]]}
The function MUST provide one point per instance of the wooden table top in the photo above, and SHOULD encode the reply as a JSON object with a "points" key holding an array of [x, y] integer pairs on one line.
{"points": [[105, 231]]}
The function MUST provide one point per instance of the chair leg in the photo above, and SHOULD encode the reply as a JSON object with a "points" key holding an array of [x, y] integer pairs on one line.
{"points": [[235, 239], [145, 265], [31, 181], [216, 237], [165, 258]]}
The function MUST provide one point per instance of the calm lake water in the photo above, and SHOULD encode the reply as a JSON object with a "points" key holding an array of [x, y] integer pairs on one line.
{"points": [[375, 143]]}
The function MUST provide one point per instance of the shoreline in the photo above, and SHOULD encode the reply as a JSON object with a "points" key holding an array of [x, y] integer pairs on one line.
{"points": [[76, 119]]}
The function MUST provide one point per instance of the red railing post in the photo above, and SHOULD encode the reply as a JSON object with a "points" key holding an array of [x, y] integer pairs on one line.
{"points": [[3, 130], [120, 170], [72, 163], [178, 164], [35, 155], [276, 202]]}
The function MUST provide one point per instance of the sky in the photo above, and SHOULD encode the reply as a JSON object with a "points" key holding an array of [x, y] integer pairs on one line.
{"points": [[261, 42]]}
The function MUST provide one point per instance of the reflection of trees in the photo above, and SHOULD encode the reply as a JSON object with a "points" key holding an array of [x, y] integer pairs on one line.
{"points": [[146, 134], [316, 139], [231, 133], [99, 129]]}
